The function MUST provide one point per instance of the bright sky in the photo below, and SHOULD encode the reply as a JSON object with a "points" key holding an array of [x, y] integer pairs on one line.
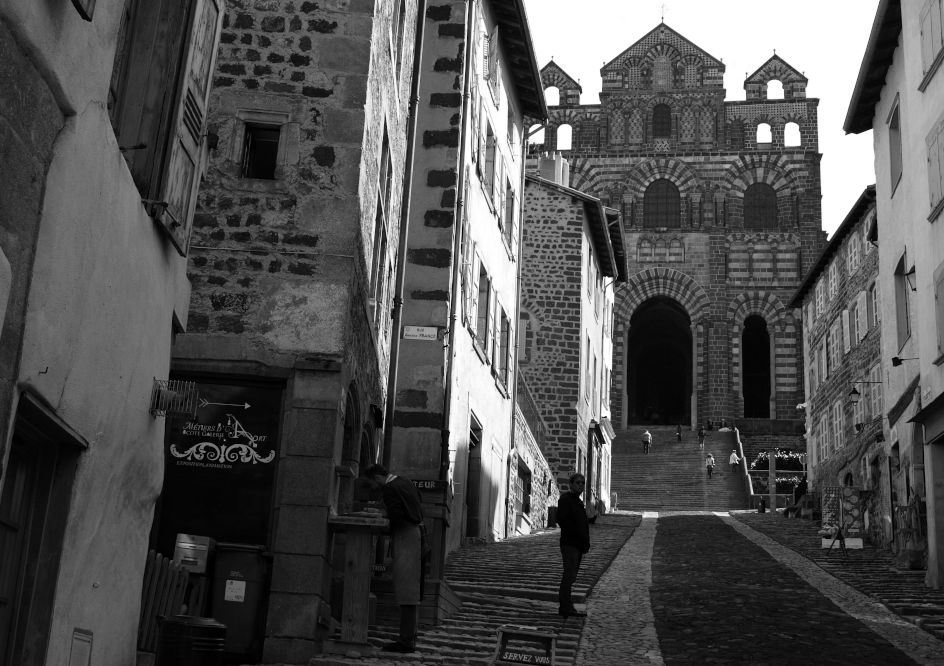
{"points": [[824, 39]]}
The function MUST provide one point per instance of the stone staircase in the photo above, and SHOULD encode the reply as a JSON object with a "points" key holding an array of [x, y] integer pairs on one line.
{"points": [[511, 582], [672, 476]]}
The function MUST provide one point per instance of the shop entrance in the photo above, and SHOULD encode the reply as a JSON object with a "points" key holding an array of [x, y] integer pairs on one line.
{"points": [[659, 367]]}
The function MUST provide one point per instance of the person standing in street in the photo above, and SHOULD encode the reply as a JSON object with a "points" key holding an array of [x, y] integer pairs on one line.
{"points": [[678, 433], [734, 459], [701, 438], [405, 512], [646, 441], [574, 541], [709, 464]]}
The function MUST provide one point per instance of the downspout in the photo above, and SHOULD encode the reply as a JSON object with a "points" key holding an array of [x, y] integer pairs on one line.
{"points": [[406, 199], [457, 241], [525, 135]]}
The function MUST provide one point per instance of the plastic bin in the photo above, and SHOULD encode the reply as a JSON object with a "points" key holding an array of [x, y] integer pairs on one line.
{"points": [[239, 581], [188, 640]]}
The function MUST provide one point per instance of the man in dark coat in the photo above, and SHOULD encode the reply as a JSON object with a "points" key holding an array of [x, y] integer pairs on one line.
{"points": [[405, 513], [574, 540]]}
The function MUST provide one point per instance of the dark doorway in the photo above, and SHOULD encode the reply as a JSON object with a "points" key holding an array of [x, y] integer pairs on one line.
{"points": [[755, 350], [659, 372], [473, 484], [34, 508]]}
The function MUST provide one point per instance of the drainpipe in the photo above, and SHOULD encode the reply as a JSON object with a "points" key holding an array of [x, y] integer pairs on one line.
{"points": [[404, 231], [457, 240], [525, 135]]}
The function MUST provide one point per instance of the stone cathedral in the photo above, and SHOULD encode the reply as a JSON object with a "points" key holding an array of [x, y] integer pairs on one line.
{"points": [[720, 204]]}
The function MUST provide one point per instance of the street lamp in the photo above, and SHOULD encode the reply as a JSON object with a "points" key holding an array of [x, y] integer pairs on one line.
{"points": [[854, 394]]}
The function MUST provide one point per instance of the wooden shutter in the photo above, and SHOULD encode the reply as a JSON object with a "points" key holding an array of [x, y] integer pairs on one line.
{"points": [[939, 309], [474, 304], [862, 311], [927, 39], [934, 168], [183, 166], [845, 332], [513, 214]]}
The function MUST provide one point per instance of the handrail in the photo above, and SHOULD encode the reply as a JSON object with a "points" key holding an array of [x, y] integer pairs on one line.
{"points": [[748, 486]]}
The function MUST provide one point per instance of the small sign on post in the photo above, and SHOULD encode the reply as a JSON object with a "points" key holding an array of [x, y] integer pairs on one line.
{"points": [[524, 645]]}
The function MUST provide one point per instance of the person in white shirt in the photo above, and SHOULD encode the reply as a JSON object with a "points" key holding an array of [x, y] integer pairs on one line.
{"points": [[735, 459], [646, 441]]}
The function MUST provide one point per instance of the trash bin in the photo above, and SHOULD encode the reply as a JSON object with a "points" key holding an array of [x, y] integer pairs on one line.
{"points": [[238, 588], [187, 640]]}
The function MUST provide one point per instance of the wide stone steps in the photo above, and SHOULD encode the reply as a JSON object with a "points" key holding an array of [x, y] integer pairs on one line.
{"points": [[512, 582], [672, 476]]}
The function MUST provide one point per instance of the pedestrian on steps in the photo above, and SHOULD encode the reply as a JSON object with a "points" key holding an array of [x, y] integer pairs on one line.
{"points": [[710, 464], [574, 541], [646, 442], [409, 546], [734, 459], [678, 433], [701, 438]]}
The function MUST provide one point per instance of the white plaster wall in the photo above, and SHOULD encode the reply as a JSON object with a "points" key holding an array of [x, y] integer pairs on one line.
{"points": [[903, 226], [98, 331]]}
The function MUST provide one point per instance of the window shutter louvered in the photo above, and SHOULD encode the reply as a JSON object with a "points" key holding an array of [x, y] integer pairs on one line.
{"points": [[184, 162], [846, 345], [513, 213], [474, 291], [862, 326]]}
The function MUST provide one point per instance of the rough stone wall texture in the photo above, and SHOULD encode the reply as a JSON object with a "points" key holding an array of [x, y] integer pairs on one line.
{"points": [[29, 122], [282, 268], [551, 294], [856, 448], [718, 270], [544, 492]]}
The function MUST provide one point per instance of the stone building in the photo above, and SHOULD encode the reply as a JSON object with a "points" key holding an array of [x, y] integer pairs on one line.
{"points": [[899, 95], [720, 204], [101, 136], [573, 256], [847, 436], [292, 263], [454, 420]]}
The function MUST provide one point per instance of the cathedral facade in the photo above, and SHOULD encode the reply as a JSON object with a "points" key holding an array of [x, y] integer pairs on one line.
{"points": [[720, 204]]}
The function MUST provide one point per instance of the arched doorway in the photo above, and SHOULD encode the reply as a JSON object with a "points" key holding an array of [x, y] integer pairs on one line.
{"points": [[659, 368], [755, 350]]}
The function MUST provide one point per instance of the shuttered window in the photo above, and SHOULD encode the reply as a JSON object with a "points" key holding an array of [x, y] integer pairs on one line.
{"points": [[158, 99]]}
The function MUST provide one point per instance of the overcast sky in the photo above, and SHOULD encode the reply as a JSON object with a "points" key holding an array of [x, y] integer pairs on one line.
{"points": [[824, 39]]}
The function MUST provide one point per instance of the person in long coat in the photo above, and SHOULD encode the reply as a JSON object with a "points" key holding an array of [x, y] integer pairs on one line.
{"points": [[405, 512]]}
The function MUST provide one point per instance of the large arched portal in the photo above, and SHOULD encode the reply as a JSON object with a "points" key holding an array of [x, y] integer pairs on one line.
{"points": [[659, 368], [756, 350]]}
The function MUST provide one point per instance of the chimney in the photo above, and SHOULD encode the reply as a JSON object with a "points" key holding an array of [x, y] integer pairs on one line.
{"points": [[554, 168]]}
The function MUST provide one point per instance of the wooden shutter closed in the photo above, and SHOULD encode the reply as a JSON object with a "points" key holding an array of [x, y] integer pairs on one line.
{"points": [[183, 166], [513, 214], [845, 332], [862, 310]]}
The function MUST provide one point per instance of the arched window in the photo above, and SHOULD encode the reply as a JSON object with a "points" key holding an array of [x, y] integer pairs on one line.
{"points": [[755, 351], [774, 89], [760, 207], [662, 205], [791, 135], [565, 136], [552, 96], [763, 133], [661, 121]]}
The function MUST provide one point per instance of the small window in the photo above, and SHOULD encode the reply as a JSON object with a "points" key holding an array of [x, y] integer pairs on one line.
{"points": [[482, 327], [552, 96], [791, 135], [565, 135], [260, 152], [931, 37], [661, 121], [894, 147], [774, 89], [764, 135]]}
